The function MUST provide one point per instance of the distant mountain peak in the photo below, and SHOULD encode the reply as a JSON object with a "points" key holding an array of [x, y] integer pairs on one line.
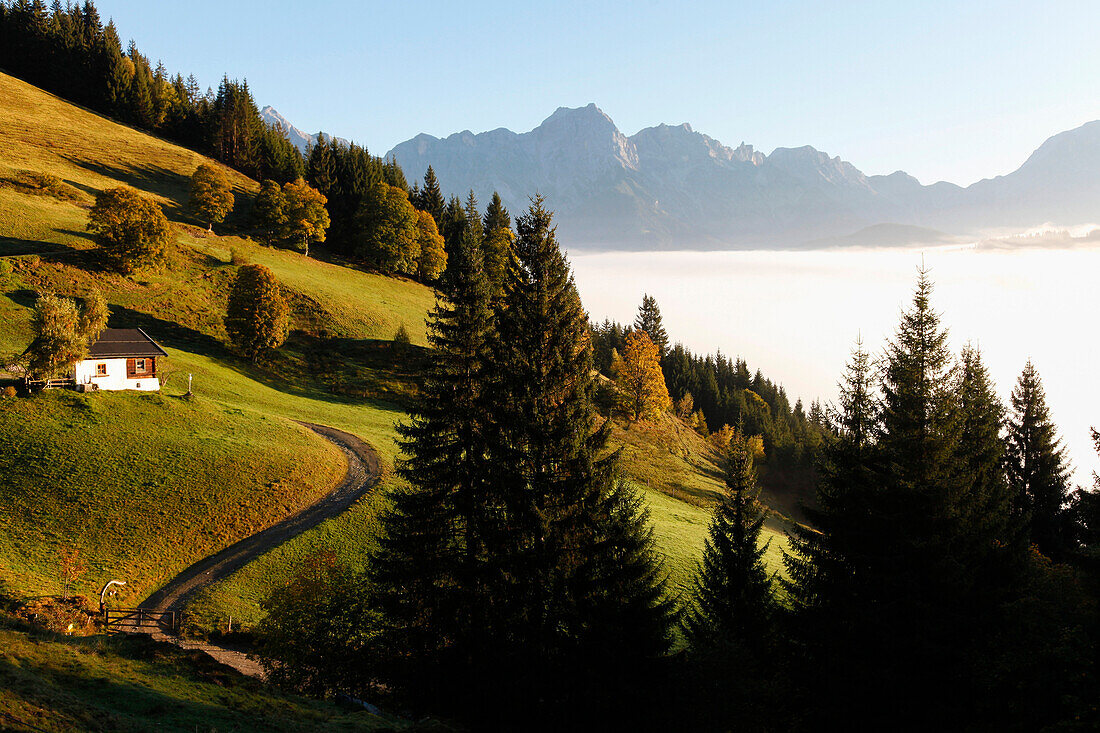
{"points": [[300, 140]]}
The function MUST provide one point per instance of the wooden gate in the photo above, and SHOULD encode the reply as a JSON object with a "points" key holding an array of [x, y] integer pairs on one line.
{"points": [[132, 620]]}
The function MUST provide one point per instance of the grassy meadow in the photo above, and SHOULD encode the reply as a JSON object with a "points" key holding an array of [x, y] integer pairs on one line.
{"points": [[166, 473]]}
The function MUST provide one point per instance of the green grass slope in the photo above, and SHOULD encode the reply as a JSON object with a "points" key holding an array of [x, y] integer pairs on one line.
{"points": [[143, 485]]}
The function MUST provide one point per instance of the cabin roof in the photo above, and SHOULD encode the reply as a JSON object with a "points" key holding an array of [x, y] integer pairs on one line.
{"points": [[116, 343]]}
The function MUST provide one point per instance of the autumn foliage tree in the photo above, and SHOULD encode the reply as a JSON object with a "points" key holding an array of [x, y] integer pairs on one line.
{"points": [[306, 219], [639, 378], [257, 318], [63, 332], [433, 256], [130, 229], [211, 195], [269, 210]]}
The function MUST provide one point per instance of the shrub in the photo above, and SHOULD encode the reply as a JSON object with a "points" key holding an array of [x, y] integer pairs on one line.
{"points": [[64, 615], [237, 256], [9, 391]]}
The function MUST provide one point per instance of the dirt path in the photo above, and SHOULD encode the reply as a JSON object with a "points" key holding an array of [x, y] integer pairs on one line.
{"points": [[363, 472]]}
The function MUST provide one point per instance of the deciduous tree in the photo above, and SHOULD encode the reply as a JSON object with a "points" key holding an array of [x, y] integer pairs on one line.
{"points": [[307, 218], [257, 318], [211, 195], [130, 229], [318, 632], [640, 380], [269, 210], [386, 232], [433, 256], [63, 332]]}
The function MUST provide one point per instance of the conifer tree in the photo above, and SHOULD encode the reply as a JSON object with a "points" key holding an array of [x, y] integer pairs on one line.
{"points": [[993, 532], [649, 320], [584, 594], [821, 560], [1038, 473], [916, 582], [431, 198], [432, 569], [733, 601], [497, 244], [496, 216]]}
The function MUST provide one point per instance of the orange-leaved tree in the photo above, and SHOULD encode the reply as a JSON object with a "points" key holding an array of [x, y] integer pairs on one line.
{"points": [[642, 390]]}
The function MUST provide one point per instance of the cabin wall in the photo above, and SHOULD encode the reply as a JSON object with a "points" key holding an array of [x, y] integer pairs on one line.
{"points": [[115, 378]]}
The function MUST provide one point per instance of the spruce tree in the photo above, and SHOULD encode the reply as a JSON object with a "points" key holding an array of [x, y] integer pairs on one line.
{"points": [[496, 216], [497, 243], [733, 594], [432, 569], [916, 583], [586, 602], [431, 198], [993, 533], [1038, 472], [821, 560], [649, 320]]}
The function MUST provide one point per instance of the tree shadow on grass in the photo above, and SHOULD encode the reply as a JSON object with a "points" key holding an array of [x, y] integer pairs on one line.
{"points": [[167, 183], [152, 179], [78, 234], [13, 247], [341, 371]]}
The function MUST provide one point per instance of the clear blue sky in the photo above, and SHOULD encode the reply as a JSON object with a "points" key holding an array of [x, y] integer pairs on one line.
{"points": [[944, 90]]}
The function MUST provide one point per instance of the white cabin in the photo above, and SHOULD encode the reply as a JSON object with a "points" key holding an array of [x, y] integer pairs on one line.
{"points": [[122, 358]]}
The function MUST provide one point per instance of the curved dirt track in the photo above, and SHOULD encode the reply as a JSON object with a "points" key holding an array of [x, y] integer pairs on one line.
{"points": [[363, 472]]}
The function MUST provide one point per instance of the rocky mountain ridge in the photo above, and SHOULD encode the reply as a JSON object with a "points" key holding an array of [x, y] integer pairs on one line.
{"points": [[672, 187]]}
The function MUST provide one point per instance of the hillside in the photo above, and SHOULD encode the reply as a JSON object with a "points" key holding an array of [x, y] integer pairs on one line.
{"points": [[338, 368]]}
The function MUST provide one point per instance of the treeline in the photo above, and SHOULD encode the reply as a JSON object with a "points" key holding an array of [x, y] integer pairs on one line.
{"points": [[714, 391], [68, 51]]}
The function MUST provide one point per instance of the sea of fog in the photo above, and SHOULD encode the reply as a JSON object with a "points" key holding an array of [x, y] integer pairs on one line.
{"points": [[796, 314]]}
